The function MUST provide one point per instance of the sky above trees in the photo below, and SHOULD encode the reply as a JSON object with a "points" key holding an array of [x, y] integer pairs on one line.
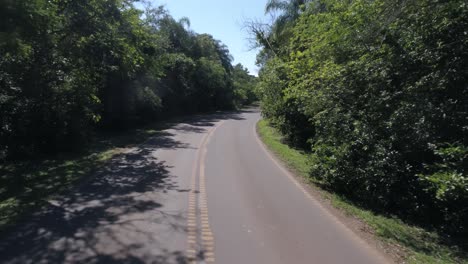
{"points": [[223, 20]]}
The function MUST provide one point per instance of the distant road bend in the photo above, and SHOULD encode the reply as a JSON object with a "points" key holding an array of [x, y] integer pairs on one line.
{"points": [[203, 191]]}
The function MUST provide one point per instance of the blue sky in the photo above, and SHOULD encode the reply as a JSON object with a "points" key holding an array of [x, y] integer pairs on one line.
{"points": [[223, 19]]}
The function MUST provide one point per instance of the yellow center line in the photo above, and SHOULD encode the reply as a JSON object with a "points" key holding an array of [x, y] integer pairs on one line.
{"points": [[206, 232], [206, 251]]}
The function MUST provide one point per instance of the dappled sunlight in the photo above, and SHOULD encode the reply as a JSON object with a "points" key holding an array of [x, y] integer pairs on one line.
{"points": [[113, 217]]}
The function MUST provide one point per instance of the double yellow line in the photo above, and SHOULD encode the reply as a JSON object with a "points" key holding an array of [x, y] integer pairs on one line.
{"points": [[200, 248]]}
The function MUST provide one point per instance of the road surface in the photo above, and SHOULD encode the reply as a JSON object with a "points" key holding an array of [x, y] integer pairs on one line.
{"points": [[204, 191]]}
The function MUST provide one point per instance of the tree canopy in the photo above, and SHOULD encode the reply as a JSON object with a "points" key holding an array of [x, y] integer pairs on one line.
{"points": [[377, 92], [71, 67]]}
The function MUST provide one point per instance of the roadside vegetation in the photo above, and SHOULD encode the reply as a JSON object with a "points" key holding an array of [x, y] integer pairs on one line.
{"points": [[25, 185], [73, 73], [419, 245], [369, 98], [375, 92], [70, 68]]}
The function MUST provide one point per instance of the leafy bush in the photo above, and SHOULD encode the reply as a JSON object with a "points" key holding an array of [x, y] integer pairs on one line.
{"points": [[68, 67], [378, 90]]}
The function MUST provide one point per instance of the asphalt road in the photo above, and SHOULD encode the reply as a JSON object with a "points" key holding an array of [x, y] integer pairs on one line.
{"points": [[204, 191]]}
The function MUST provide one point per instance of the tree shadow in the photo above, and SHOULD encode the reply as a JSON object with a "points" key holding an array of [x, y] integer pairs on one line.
{"points": [[164, 140], [104, 219], [25, 185], [199, 123]]}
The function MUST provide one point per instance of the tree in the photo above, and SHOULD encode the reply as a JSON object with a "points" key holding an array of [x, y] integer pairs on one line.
{"points": [[71, 67], [289, 12], [276, 35], [373, 90], [244, 85]]}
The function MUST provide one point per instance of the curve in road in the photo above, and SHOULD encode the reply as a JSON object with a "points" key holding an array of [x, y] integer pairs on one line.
{"points": [[204, 191], [261, 214]]}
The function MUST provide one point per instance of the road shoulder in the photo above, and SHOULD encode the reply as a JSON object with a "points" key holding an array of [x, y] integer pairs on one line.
{"points": [[295, 162]]}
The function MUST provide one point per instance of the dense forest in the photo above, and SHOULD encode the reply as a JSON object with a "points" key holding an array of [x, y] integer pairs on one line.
{"points": [[69, 68], [376, 92]]}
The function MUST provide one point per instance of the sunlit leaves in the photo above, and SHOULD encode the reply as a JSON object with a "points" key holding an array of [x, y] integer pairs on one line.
{"points": [[68, 67], [369, 87]]}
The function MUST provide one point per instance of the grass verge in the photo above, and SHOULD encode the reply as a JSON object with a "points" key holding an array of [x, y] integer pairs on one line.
{"points": [[27, 185], [420, 245]]}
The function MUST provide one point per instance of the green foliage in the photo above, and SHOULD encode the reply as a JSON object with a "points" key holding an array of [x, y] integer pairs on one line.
{"points": [[447, 183], [244, 85], [377, 92], [284, 112], [69, 67], [29, 184], [421, 246], [296, 160]]}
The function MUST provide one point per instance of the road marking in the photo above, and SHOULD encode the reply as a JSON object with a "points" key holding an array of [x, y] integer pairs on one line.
{"points": [[192, 248], [207, 237], [197, 196]]}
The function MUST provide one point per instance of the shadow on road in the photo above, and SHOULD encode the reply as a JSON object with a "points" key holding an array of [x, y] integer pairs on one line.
{"points": [[89, 224], [110, 217], [197, 123]]}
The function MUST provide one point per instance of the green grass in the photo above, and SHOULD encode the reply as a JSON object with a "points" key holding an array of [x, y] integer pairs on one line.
{"points": [[294, 159], [27, 185], [420, 245]]}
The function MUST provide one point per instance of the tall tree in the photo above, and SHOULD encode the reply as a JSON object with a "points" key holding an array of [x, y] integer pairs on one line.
{"points": [[375, 92], [69, 67]]}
